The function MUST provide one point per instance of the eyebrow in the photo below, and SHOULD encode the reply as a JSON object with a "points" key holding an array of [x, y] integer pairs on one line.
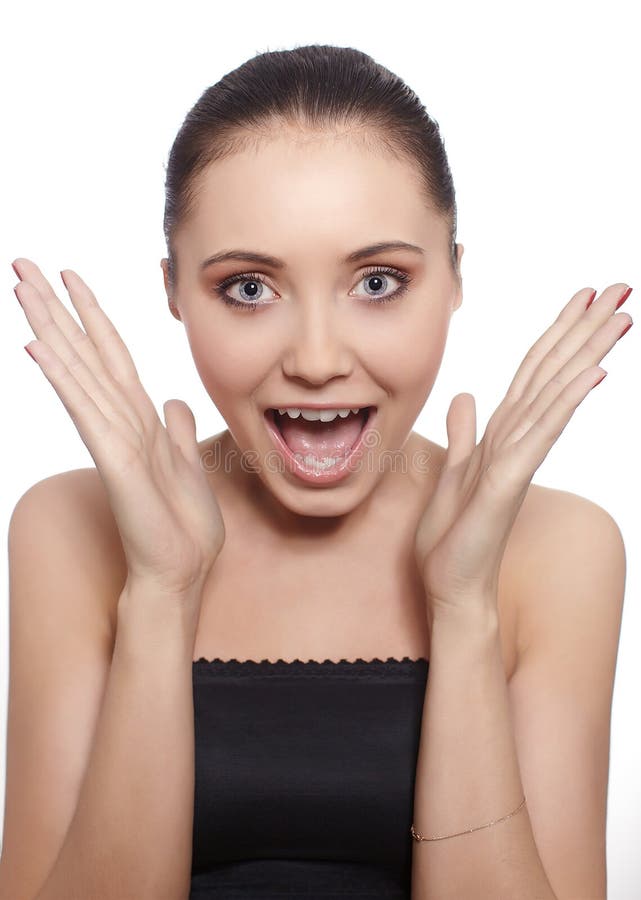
{"points": [[265, 260]]}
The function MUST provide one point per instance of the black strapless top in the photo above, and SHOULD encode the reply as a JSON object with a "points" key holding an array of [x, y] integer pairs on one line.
{"points": [[305, 778]]}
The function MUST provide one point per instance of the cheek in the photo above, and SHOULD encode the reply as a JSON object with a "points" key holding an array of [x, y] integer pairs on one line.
{"points": [[413, 352], [227, 363], [406, 356]]}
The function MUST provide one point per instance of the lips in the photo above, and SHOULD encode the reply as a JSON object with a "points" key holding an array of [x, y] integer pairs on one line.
{"points": [[322, 455]]}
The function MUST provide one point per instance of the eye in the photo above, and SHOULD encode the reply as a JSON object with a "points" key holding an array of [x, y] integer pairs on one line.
{"points": [[250, 296], [376, 281], [251, 287]]}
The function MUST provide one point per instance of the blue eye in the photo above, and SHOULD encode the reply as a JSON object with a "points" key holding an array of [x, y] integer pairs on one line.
{"points": [[250, 278], [373, 274]]}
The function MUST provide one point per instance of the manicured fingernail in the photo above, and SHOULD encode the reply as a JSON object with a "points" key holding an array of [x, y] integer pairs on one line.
{"points": [[624, 298], [16, 293], [16, 271], [600, 379], [627, 328], [589, 303], [31, 354]]}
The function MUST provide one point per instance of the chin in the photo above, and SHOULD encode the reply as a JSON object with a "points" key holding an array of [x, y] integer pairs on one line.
{"points": [[315, 503]]}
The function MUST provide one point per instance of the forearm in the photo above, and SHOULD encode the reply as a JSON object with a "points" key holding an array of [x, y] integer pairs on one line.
{"points": [[131, 834], [468, 774]]}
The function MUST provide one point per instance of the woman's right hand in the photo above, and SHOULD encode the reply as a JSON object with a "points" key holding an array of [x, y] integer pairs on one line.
{"points": [[168, 517]]}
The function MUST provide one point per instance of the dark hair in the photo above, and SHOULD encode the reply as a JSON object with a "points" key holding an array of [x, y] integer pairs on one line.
{"points": [[316, 87]]}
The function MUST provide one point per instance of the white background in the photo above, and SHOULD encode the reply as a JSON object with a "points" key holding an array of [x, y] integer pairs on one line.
{"points": [[538, 107]]}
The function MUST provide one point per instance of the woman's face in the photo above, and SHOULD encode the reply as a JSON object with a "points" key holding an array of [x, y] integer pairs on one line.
{"points": [[321, 332]]}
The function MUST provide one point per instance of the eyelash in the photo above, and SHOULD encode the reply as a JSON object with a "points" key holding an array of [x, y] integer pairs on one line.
{"points": [[220, 288]]}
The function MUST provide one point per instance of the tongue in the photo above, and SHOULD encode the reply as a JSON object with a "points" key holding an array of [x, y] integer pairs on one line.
{"points": [[321, 439]]}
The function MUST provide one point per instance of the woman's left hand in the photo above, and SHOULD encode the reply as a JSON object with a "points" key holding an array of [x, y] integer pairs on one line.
{"points": [[463, 532]]}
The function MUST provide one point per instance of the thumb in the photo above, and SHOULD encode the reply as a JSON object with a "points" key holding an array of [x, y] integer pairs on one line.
{"points": [[181, 427], [461, 429]]}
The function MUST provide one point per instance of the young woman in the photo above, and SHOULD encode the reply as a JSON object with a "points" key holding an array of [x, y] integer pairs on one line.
{"points": [[219, 649]]}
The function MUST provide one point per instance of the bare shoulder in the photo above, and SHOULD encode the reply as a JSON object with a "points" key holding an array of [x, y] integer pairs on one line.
{"points": [[65, 577], [77, 501], [568, 570], [561, 547]]}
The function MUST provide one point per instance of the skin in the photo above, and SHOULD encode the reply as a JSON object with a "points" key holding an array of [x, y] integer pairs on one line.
{"points": [[369, 600], [281, 354], [317, 338]]}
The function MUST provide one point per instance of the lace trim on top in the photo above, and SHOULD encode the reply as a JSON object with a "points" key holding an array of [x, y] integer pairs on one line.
{"points": [[311, 667]]}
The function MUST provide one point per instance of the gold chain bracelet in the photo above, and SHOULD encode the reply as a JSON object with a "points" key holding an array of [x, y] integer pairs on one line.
{"points": [[418, 837]]}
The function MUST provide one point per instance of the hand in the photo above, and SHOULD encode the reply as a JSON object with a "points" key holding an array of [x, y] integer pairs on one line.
{"points": [[462, 535], [167, 515]]}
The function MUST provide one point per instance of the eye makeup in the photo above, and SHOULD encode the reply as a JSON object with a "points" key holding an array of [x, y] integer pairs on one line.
{"points": [[220, 288]]}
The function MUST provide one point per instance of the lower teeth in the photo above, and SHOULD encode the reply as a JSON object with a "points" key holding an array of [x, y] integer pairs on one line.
{"points": [[326, 463]]}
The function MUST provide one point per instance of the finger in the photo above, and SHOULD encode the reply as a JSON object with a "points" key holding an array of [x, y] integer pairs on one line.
{"points": [[574, 327], [113, 450], [458, 474], [592, 352], [103, 390], [118, 381], [93, 427], [527, 453], [29, 272], [461, 429], [112, 349], [593, 330], [562, 339], [181, 427], [100, 329], [104, 336], [571, 313]]}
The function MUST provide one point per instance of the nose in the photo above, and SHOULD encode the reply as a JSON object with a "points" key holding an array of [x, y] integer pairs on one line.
{"points": [[317, 350]]}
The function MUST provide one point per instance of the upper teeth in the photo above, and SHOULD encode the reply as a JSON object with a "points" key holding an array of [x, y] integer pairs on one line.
{"points": [[314, 415]]}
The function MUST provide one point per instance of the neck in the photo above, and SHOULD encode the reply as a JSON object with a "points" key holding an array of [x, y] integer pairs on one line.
{"points": [[253, 504]]}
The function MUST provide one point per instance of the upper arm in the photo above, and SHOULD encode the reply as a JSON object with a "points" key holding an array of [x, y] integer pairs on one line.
{"points": [[571, 588], [63, 598]]}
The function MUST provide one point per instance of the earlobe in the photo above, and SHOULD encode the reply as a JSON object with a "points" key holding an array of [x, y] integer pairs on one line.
{"points": [[165, 273], [172, 306], [459, 291]]}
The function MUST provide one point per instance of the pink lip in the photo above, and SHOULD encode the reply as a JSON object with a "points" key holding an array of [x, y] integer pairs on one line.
{"points": [[305, 473]]}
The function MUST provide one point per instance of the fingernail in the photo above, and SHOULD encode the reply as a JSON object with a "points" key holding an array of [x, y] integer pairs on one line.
{"points": [[589, 303], [627, 328], [600, 379], [16, 271], [16, 293], [31, 354], [624, 298]]}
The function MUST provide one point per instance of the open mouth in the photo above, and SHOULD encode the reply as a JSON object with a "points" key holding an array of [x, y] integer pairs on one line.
{"points": [[317, 446], [282, 420]]}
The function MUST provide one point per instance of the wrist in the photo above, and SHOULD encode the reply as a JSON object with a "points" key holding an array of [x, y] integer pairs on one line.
{"points": [[473, 615], [465, 640], [161, 621]]}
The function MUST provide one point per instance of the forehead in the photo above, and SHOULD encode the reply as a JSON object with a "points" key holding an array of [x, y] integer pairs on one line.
{"points": [[305, 185]]}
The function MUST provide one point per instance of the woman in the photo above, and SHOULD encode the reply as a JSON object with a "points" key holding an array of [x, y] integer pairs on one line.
{"points": [[298, 574]]}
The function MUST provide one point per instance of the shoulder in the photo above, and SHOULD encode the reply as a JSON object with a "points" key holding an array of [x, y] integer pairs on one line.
{"points": [[78, 497], [68, 516], [566, 561], [64, 579], [568, 577]]}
